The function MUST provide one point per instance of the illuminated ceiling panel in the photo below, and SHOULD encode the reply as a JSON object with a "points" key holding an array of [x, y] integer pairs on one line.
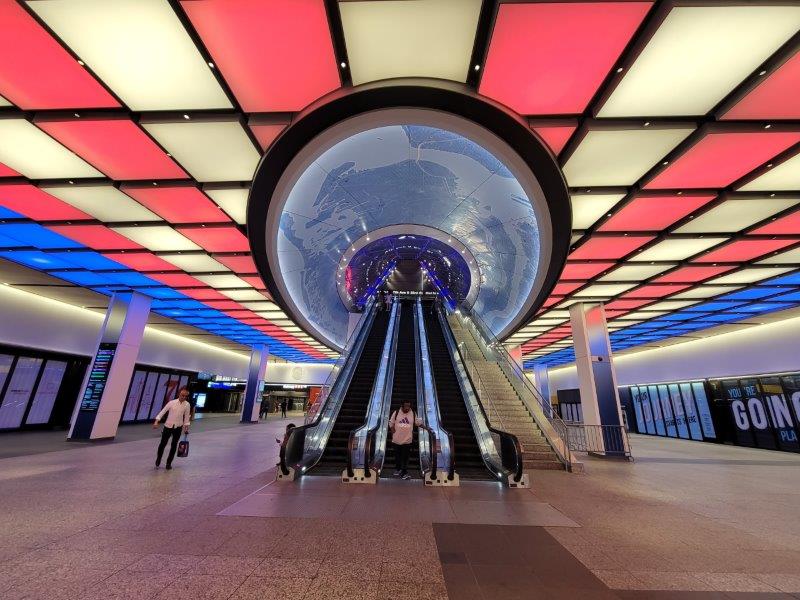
{"points": [[677, 249], [239, 264], [266, 134], [555, 136], [692, 274], [32, 202], [697, 56], [218, 239], [223, 281], [774, 96], [209, 150], [620, 157], [735, 215], [141, 261], [104, 202], [117, 147], [703, 291], [425, 38], [575, 270], [783, 258], [194, 263], [604, 290], [27, 53], [157, 238], [233, 201], [139, 48], [785, 176], [7, 172], [177, 204], [276, 56], [30, 151], [749, 275], [98, 237], [588, 208], [719, 159], [656, 291], [653, 213], [742, 250], [635, 272], [788, 225], [609, 247], [550, 58]]}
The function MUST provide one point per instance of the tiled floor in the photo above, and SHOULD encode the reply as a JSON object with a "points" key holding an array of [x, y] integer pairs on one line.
{"points": [[686, 520]]}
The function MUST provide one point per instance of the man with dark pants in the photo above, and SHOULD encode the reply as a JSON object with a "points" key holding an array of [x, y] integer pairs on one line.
{"points": [[284, 405], [178, 413], [401, 424]]}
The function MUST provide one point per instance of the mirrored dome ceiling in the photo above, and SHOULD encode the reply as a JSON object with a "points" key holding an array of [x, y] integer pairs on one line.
{"points": [[405, 176]]}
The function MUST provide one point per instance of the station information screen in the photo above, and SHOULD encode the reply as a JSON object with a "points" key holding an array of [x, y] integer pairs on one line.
{"points": [[98, 377]]}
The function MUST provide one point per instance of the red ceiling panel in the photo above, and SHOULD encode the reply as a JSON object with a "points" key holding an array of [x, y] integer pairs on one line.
{"points": [[257, 283], [555, 136], [177, 204], [562, 289], [609, 247], [550, 58], [98, 237], [32, 202], [788, 225], [225, 305], [693, 274], [141, 261], [266, 134], [575, 270], [205, 294], [36, 72], [653, 213], [217, 239], [238, 264], [117, 147], [7, 171], [552, 300], [743, 250], [775, 97], [626, 304], [177, 279], [277, 56], [719, 159], [655, 291]]}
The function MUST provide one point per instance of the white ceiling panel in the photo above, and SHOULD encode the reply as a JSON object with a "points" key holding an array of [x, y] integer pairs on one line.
{"points": [[139, 48], [635, 272], [104, 202], [735, 215], [697, 56], [588, 208], [785, 176], [677, 249], [158, 238], [209, 150], [621, 156], [232, 201], [30, 151]]}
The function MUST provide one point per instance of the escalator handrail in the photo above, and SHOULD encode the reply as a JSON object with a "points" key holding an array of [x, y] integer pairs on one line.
{"points": [[356, 340], [388, 355], [435, 401]]}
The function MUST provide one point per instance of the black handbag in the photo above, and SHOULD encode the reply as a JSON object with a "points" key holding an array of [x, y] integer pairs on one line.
{"points": [[183, 446]]}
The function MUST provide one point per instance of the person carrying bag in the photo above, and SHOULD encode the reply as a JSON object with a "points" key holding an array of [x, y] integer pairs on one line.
{"points": [[178, 413]]}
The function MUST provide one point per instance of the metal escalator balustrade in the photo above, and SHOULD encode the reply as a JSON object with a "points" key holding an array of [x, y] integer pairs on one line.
{"points": [[453, 409], [303, 446], [353, 410]]}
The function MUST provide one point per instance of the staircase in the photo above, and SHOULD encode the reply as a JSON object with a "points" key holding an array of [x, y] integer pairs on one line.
{"points": [[504, 407]]}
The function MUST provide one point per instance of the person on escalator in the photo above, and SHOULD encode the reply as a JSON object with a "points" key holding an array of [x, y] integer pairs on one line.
{"points": [[401, 424]]}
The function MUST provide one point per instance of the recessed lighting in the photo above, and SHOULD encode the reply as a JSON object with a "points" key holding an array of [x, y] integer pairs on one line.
{"points": [[81, 63], [772, 195], [620, 70], [647, 123], [762, 73], [71, 182], [477, 67], [767, 126], [77, 115], [666, 162], [343, 64], [186, 117], [769, 166], [211, 64]]}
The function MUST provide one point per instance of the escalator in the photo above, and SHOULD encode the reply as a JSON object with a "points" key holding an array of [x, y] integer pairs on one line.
{"points": [[404, 388], [467, 455], [354, 406]]}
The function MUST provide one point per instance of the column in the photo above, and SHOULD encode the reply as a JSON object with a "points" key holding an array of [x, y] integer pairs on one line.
{"points": [[597, 379], [542, 378], [105, 387], [255, 379]]}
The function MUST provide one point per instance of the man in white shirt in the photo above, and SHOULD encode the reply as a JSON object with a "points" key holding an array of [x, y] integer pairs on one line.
{"points": [[178, 413], [401, 424]]}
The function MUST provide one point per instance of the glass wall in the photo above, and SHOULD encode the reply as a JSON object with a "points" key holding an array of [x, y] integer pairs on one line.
{"points": [[150, 389], [759, 411], [38, 389]]}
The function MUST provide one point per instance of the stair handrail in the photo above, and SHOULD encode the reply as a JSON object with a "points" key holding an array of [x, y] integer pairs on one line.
{"points": [[551, 424], [510, 453], [293, 447]]}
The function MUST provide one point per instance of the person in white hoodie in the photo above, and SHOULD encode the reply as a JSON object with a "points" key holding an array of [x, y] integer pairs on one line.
{"points": [[178, 412]]}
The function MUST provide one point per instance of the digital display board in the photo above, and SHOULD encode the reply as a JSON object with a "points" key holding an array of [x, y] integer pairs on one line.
{"points": [[98, 377]]}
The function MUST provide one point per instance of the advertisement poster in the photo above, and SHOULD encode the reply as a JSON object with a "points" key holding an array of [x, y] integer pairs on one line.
{"points": [[679, 411]]}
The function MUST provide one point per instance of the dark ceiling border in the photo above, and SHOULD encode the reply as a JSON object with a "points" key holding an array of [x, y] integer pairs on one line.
{"points": [[433, 94]]}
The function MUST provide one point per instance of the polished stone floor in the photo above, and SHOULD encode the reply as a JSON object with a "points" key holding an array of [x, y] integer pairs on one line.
{"points": [[685, 520]]}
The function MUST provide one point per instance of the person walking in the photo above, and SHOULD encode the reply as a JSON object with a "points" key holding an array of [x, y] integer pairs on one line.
{"points": [[284, 406], [178, 413], [401, 424], [388, 299]]}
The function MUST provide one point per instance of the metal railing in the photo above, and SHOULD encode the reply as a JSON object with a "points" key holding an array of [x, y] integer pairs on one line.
{"points": [[551, 424], [608, 440]]}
